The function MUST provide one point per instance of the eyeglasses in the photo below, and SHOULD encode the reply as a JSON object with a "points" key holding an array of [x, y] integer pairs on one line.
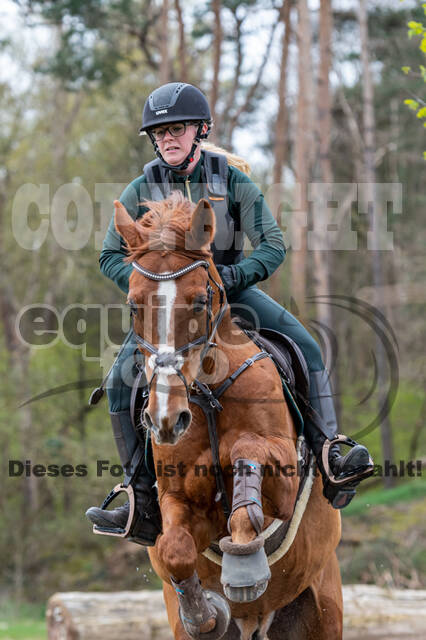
{"points": [[177, 129]]}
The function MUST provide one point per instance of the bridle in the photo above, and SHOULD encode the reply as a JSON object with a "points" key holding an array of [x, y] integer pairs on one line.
{"points": [[174, 359]]}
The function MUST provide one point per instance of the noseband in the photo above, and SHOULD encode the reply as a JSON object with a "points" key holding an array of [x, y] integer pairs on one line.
{"points": [[174, 359]]}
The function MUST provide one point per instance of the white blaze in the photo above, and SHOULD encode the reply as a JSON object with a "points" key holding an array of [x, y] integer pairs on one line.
{"points": [[167, 293]]}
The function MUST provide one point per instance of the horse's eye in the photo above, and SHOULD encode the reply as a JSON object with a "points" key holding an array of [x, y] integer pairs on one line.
{"points": [[199, 305]]}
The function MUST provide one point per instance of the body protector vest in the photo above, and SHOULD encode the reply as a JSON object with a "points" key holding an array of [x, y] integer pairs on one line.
{"points": [[228, 242]]}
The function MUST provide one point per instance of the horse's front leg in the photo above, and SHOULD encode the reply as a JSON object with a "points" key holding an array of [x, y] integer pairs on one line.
{"points": [[203, 614], [245, 569]]}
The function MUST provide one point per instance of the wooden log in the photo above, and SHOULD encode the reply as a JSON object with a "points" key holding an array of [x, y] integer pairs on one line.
{"points": [[123, 615], [371, 613]]}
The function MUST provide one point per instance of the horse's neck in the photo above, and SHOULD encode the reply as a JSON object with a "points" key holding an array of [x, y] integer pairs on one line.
{"points": [[236, 346]]}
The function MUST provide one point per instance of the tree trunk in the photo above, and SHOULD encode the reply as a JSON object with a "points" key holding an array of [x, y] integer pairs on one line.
{"points": [[164, 40], [217, 53], [302, 153], [183, 54], [371, 200], [281, 130], [281, 127], [322, 254]]}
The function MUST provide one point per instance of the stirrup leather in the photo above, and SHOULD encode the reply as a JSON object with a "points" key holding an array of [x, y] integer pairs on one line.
{"points": [[119, 532], [347, 478]]}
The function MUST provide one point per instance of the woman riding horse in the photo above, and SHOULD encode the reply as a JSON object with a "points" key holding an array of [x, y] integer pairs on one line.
{"points": [[176, 117]]}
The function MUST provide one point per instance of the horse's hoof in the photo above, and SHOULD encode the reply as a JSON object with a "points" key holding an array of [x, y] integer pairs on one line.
{"points": [[245, 594], [223, 618], [245, 576]]}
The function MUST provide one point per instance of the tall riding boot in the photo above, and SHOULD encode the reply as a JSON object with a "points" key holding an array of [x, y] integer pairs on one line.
{"points": [[341, 474], [146, 524]]}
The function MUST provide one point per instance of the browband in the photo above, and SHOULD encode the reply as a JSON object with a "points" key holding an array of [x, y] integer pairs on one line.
{"points": [[170, 275]]}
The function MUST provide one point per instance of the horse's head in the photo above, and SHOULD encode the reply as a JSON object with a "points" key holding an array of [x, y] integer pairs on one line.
{"points": [[173, 302]]}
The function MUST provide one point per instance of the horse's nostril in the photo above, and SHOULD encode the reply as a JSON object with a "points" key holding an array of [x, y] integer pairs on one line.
{"points": [[184, 420]]}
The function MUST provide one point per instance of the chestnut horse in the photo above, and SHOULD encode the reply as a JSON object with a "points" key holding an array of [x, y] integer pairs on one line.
{"points": [[175, 293]]}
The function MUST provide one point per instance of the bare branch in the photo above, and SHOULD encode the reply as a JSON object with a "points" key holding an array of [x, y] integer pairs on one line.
{"points": [[141, 34], [238, 64], [254, 86], [183, 54]]}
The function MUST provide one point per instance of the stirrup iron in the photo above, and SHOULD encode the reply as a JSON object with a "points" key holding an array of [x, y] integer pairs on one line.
{"points": [[347, 478], [119, 532]]}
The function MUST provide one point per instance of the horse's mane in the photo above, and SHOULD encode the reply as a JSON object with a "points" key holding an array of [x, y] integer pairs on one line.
{"points": [[164, 227]]}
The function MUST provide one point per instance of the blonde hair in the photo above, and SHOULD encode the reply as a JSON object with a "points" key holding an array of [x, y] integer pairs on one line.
{"points": [[233, 159]]}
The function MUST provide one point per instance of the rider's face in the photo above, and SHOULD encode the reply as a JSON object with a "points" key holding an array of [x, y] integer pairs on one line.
{"points": [[174, 150]]}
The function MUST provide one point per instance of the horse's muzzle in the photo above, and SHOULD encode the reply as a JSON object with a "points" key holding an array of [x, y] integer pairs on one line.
{"points": [[169, 433]]}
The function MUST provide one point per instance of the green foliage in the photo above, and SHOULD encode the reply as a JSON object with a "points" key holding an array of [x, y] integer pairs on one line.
{"points": [[377, 538], [22, 621], [22, 629], [412, 104], [412, 489], [417, 29], [95, 38]]}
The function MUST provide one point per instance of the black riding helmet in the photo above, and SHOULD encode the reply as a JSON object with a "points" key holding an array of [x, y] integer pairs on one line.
{"points": [[176, 102]]}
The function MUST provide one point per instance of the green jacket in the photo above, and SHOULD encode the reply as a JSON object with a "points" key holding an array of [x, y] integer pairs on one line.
{"points": [[246, 205]]}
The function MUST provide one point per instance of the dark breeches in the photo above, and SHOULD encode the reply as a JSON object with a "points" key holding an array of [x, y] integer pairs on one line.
{"points": [[256, 307]]}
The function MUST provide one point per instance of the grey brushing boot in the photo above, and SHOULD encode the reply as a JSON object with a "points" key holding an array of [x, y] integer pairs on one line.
{"points": [[146, 525], [341, 474]]}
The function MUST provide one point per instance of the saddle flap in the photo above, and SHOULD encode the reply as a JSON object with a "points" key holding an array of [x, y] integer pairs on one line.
{"points": [[281, 357], [288, 354]]}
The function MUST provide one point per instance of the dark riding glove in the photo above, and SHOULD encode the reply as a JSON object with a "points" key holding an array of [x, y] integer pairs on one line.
{"points": [[230, 277]]}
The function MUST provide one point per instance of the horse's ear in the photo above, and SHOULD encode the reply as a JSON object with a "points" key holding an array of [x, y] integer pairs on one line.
{"points": [[126, 226], [203, 227]]}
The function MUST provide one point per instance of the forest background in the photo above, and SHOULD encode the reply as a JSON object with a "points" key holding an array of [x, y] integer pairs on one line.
{"points": [[324, 99]]}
